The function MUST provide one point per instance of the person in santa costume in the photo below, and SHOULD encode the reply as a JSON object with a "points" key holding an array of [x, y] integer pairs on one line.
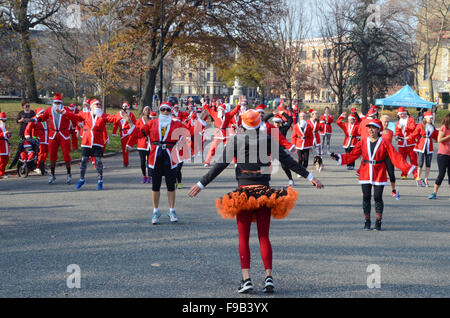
{"points": [[326, 120], [374, 150], [295, 111], [388, 135], [39, 129], [303, 139], [125, 130], [196, 126], [164, 134], [59, 135], [73, 129], [351, 134], [5, 135], [254, 199], [177, 113], [316, 127], [93, 140], [143, 144], [405, 139], [424, 134], [222, 122]]}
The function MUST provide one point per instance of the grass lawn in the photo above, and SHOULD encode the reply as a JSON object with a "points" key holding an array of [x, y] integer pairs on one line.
{"points": [[13, 108]]}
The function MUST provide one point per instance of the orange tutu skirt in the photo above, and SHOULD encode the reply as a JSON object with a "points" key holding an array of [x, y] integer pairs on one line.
{"points": [[280, 202]]}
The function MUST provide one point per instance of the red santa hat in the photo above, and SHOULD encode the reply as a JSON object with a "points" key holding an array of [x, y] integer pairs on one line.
{"points": [[72, 105], [26, 144], [261, 108], [165, 105], [311, 111], [126, 105], [372, 111], [222, 106], [401, 110], [351, 116], [376, 123], [87, 102], [277, 119], [3, 115], [428, 114], [94, 102], [38, 110], [57, 98], [153, 114]]}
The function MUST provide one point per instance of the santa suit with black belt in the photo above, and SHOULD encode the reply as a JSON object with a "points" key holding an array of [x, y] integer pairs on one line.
{"points": [[39, 129], [350, 131], [405, 129], [73, 129]]}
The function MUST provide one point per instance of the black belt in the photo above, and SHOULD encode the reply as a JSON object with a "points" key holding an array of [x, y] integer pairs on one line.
{"points": [[97, 130], [164, 144], [425, 137], [374, 162]]}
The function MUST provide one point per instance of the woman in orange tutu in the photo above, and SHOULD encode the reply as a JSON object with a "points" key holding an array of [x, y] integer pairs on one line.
{"points": [[254, 199]]}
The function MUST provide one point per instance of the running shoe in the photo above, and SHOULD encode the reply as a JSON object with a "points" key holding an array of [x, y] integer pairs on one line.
{"points": [[179, 185], [206, 165], [394, 193], [419, 183], [425, 181], [245, 286], [80, 183], [155, 217], [69, 179], [403, 177], [149, 180], [367, 225], [51, 180], [291, 183], [172, 216], [397, 197], [4, 177], [100, 185], [377, 225], [144, 180], [432, 196], [268, 285]]}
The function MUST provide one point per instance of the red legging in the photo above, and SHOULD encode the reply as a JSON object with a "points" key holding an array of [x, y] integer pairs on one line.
{"points": [[408, 152], [244, 222]]}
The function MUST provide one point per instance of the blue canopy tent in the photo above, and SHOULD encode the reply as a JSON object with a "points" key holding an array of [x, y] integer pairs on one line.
{"points": [[405, 97]]}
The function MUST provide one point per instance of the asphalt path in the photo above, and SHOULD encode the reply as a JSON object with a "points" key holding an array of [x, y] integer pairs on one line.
{"points": [[319, 250]]}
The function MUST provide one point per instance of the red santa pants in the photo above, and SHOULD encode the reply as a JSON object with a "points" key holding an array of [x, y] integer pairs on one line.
{"points": [[244, 222], [212, 149], [43, 154], [124, 142], [408, 152], [27, 155], [3, 162], [53, 147], [74, 139]]}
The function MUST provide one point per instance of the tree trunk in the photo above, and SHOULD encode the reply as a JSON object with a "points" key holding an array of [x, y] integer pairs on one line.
{"points": [[149, 88], [28, 68], [364, 88]]}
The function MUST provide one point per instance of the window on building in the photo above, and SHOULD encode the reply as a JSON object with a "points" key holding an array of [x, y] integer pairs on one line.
{"points": [[208, 76], [181, 89], [303, 55]]}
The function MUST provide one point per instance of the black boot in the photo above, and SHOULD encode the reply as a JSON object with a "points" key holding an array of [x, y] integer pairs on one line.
{"points": [[367, 225], [377, 225]]}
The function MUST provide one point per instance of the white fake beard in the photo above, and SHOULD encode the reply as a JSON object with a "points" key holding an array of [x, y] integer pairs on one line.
{"points": [[57, 107], [302, 123], [2, 124], [98, 111], [165, 120]]}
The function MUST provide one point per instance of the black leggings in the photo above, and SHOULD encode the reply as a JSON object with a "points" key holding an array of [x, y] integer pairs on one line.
{"points": [[143, 155], [178, 174], [377, 196], [162, 168], [424, 157], [390, 169], [303, 157], [443, 162], [287, 171]]}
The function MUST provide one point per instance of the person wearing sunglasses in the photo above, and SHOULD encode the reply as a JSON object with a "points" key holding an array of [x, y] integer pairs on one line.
{"points": [[164, 134]]}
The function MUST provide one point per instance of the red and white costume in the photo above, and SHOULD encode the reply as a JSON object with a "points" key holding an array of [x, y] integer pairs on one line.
{"points": [[39, 129], [405, 128], [73, 129], [316, 127], [59, 130], [373, 167], [425, 136], [326, 121], [125, 131], [143, 142], [350, 131], [302, 137]]}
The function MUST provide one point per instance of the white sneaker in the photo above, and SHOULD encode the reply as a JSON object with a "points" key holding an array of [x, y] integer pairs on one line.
{"points": [[155, 217], [51, 179], [291, 183], [69, 179], [37, 170], [299, 176], [4, 177], [173, 216]]}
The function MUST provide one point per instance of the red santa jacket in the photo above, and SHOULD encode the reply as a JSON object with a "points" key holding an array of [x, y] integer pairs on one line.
{"points": [[350, 131], [143, 142], [373, 167], [405, 130], [74, 126], [37, 129], [61, 127], [4, 136], [94, 128], [174, 132], [123, 125], [424, 138], [302, 138], [326, 121], [316, 126], [182, 116], [222, 123]]}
